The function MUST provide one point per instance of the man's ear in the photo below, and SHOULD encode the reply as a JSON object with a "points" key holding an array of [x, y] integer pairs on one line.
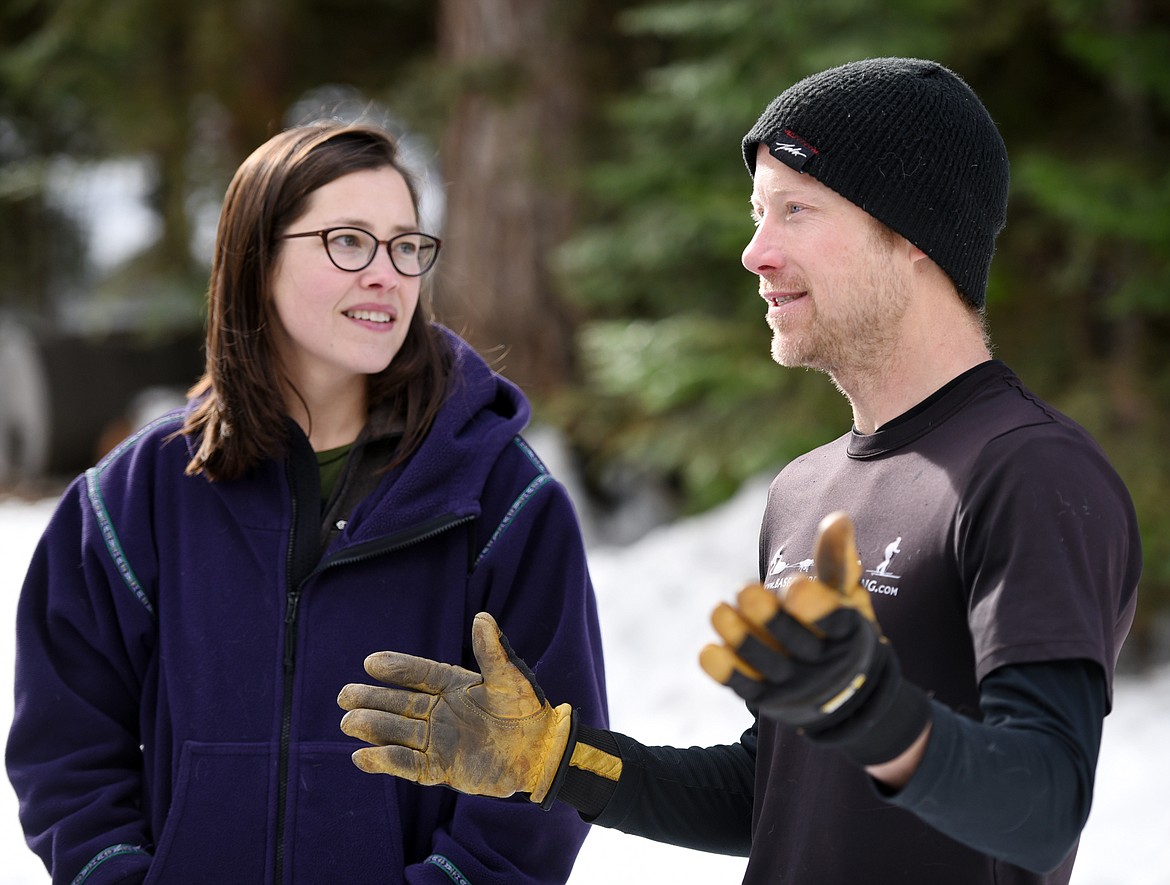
{"points": [[916, 254]]}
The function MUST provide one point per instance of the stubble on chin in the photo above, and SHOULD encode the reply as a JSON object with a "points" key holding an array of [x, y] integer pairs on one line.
{"points": [[793, 349], [781, 350]]}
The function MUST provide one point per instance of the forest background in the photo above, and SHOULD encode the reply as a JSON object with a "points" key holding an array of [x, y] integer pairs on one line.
{"points": [[583, 168]]}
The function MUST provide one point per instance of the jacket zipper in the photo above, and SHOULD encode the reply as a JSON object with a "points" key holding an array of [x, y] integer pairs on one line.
{"points": [[292, 602]]}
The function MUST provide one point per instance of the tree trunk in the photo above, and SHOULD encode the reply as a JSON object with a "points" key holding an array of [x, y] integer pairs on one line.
{"points": [[509, 204]]}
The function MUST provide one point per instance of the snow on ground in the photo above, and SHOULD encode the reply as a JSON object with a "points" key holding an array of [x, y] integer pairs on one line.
{"points": [[655, 596]]}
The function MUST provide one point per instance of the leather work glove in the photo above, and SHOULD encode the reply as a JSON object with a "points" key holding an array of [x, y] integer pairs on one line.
{"points": [[491, 733], [814, 657]]}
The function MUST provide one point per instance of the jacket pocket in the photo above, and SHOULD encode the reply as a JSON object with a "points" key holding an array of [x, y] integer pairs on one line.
{"points": [[344, 824], [218, 824]]}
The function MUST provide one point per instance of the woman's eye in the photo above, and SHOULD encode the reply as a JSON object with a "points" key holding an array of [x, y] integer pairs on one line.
{"points": [[348, 240]]}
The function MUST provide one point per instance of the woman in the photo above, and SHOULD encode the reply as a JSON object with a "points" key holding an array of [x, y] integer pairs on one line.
{"points": [[347, 477]]}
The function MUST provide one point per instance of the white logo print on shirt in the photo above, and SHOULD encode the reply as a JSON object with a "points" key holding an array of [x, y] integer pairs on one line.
{"points": [[886, 588], [778, 565]]}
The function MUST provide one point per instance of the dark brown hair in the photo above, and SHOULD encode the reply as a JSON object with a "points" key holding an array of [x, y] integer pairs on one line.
{"points": [[238, 419]]}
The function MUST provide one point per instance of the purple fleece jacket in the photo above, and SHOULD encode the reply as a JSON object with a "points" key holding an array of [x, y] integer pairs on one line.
{"points": [[181, 644]]}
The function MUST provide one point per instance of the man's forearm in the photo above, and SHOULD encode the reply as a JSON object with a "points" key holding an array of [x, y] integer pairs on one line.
{"points": [[699, 798], [897, 772], [1017, 786]]}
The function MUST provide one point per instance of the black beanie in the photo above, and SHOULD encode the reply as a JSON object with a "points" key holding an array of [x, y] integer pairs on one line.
{"points": [[910, 143]]}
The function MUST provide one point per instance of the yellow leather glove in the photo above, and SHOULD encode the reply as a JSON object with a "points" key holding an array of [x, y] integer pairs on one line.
{"points": [[491, 733], [814, 657]]}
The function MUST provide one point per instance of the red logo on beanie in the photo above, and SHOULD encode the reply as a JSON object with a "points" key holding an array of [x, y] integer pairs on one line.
{"points": [[791, 150]]}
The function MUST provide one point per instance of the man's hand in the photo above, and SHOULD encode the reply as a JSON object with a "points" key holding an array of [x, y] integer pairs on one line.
{"points": [[815, 659], [493, 734]]}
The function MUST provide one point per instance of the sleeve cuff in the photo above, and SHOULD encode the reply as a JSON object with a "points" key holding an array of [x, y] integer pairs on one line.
{"points": [[585, 790]]}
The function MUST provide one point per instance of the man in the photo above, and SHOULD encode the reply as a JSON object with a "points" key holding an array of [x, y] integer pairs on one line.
{"points": [[942, 724]]}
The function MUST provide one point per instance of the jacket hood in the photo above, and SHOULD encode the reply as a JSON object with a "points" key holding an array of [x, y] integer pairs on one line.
{"points": [[483, 414]]}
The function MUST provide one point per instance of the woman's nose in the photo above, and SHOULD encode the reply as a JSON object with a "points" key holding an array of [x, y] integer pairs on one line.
{"points": [[381, 270]]}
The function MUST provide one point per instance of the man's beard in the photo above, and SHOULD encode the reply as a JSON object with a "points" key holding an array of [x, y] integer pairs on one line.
{"points": [[861, 331]]}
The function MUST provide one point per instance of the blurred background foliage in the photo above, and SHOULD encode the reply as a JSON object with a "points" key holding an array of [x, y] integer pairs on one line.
{"points": [[596, 201]]}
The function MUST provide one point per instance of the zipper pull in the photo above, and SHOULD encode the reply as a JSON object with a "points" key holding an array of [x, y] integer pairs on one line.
{"points": [[290, 629]]}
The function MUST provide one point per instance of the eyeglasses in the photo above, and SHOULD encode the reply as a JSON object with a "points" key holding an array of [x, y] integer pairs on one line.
{"points": [[353, 249]]}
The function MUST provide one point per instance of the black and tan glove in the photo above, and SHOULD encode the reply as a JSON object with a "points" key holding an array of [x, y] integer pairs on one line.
{"points": [[814, 657], [491, 733]]}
